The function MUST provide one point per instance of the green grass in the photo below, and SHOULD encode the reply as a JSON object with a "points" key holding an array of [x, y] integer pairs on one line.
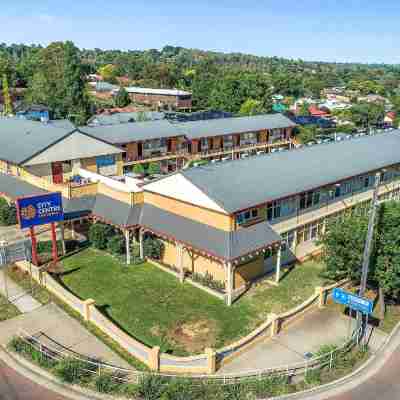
{"points": [[7, 310], [150, 304]]}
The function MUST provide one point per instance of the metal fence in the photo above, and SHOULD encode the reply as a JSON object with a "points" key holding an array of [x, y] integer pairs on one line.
{"points": [[122, 375]]}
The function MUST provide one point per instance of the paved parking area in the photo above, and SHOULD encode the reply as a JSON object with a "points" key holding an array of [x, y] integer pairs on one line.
{"points": [[304, 336]]}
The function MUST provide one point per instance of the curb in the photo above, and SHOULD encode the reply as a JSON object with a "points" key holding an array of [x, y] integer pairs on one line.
{"points": [[346, 383], [48, 381]]}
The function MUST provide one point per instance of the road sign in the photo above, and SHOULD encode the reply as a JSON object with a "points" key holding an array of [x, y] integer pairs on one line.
{"points": [[39, 210], [13, 252], [353, 301]]}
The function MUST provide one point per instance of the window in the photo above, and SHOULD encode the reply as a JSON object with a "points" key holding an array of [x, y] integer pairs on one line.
{"points": [[338, 190], [273, 210], [247, 216], [309, 199]]}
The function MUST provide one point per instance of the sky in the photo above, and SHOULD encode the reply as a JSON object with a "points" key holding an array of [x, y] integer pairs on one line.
{"points": [[328, 30]]}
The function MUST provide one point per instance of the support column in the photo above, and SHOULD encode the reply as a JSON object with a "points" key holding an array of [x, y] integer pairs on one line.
{"points": [[141, 244], [294, 244], [278, 265], [73, 234], [54, 249], [229, 286], [127, 247], [86, 308], [211, 360], [179, 261], [62, 234]]}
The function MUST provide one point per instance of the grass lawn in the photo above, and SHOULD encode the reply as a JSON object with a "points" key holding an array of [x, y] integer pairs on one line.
{"points": [[7, 310], [154, 307]]}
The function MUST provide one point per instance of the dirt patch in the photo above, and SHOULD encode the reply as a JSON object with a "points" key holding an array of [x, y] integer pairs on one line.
{"points": [[194, 336]]}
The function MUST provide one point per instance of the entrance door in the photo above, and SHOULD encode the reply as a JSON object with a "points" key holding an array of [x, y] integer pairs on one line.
{"points": [[57, 172]]}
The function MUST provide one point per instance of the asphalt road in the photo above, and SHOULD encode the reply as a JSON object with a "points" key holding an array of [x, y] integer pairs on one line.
{"points": [[14, 386], [384, 385]]}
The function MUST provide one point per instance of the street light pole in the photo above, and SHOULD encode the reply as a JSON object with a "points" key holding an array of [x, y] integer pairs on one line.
{"points": [[368, 244]]}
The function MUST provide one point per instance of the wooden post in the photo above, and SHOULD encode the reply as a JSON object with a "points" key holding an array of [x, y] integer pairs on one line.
{"points": [[54, 250], [154, 359], [211, 360], [127, 247], [62, 233], [229, 286], [73, 234], [86, 308], [179, 259], [273, 318], [35, 258], [141, 244], [322, 296], [278, 265]]}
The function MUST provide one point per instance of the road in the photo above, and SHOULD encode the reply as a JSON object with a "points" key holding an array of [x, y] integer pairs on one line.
{"points": [[14, 386], [384, 385]]}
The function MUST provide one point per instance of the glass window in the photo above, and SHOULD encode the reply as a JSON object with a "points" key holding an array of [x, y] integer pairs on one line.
{"points": [[254, 213]]}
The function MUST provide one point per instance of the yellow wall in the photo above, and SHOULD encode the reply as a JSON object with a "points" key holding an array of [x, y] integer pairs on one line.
{"points": [[89, 164], [195, 213], [193, 262], [249, 271]]}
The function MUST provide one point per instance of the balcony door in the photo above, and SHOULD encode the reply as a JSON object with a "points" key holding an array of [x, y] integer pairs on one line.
{"points": [[57, 172]]}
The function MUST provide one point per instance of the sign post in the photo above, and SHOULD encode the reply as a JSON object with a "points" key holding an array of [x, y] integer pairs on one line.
{"points": [[40, 210]]}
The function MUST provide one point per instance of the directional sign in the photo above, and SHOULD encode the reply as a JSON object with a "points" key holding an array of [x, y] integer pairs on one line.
{"points": [[353, 301], [39, 210]]}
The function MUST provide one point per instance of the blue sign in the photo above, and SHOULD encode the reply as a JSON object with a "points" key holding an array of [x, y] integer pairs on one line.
{"points": [[353, 301], [105, 161], [39, 210]]}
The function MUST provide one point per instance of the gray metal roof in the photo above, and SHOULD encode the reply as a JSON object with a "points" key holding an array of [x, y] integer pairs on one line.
{"points": [[240, 184], [219, 243], [134, 131], [162, 92], [20, 139], [125, 117], [13, 187], [226, 126]]}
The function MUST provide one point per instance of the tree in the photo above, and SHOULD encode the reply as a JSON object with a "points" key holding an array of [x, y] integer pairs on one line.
{"points": [[343, 246], [153, 248], [108, 72], [59, 82], [250, 107], [8, 108], [387, 266], [8, 213], [99, 235], [122, 98], [367, 114], [116, 244], [306, 134]]}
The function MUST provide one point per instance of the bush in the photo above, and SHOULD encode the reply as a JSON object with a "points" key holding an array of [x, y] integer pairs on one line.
{"points": [[182, 389], [151, 387], [8, 213], [139, 169], [153, 248], [154, 169], [99, 235], [116, 245], [71, 370], [106, 383], [208, 280]]}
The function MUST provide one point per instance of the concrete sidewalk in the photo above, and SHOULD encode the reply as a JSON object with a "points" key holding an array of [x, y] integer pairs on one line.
{"points": [[304, 336], [16, 295], [54, 326]]}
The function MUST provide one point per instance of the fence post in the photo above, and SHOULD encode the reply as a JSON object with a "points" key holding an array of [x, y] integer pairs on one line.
{"points": [[154, 359], [211, 360], [86, 308], [273, 318], [331, 360], [322, 296]]}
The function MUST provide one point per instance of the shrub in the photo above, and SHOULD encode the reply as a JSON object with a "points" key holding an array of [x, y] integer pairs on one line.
{"points": [[208, 280], [153, 248], [139, 169], [8, 213], [116, 245], [99, 234], [151, 387], [154, 168], [313, 377], [181, 389], [106, 383], [71, 370]]}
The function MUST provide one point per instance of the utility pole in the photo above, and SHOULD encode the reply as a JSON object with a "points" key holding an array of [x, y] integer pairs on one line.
{"points": [[368, 244]]}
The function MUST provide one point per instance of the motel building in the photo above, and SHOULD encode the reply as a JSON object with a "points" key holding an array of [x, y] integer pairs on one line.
{"points": [[237, 221]]}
